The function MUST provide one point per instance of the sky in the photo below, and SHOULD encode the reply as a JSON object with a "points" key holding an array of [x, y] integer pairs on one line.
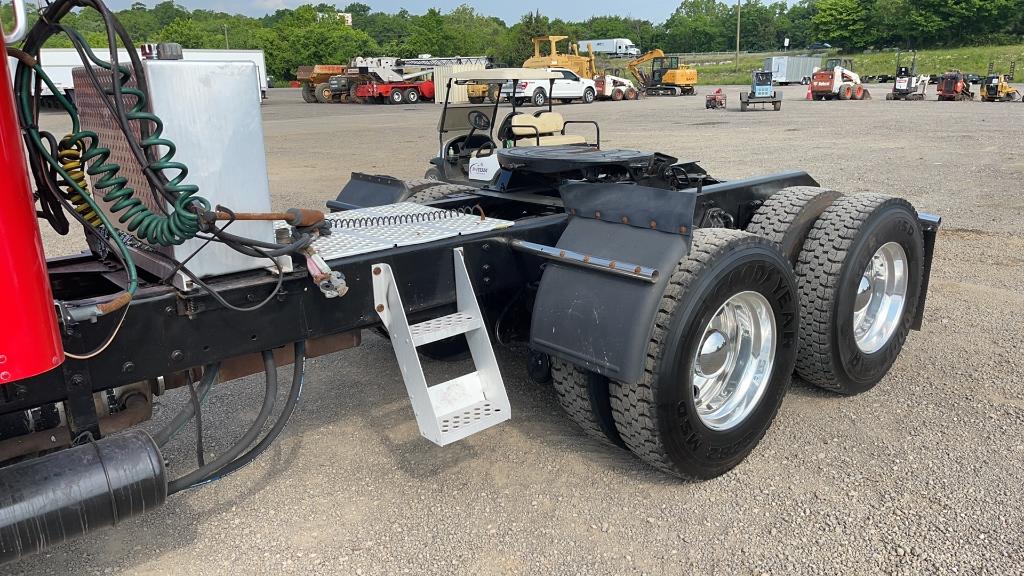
{"points": [[654, 10]]}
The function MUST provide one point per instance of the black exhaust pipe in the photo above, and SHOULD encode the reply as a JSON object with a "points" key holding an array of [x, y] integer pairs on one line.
{"points": [[48, 500]]}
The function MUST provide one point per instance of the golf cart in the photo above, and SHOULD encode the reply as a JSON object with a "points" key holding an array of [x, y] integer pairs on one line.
{"points": [[469, 135]]}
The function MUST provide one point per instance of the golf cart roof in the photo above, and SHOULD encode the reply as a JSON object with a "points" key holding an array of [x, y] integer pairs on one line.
{"points": [[504, 74]]}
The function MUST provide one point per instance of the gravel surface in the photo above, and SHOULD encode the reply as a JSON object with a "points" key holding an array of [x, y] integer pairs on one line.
{"points": [[922, 475]]}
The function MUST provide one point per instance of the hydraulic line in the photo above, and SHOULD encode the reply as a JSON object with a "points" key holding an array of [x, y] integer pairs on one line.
{"points": [[286, 413], [164, 435], [269, 398]]}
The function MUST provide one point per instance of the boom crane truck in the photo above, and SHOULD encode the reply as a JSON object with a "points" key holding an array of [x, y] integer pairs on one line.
{"points": [[660, 302]]}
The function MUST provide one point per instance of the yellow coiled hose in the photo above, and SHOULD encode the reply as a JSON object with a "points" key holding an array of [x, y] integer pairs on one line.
{"points": [[70, 156]]}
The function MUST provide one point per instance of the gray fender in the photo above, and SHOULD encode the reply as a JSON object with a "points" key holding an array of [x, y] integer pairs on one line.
{"points": [[366, 190], [596, 320]]}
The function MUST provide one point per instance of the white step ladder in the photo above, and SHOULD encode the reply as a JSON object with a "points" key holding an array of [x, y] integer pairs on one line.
{"points": [[452, 410]]}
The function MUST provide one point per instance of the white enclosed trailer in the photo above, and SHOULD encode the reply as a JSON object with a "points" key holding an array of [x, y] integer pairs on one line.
{"points": [[58, 63], [792, 69]]}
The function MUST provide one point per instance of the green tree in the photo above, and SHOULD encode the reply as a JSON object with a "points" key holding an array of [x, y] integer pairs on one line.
{"points": [[186, 32], [842, 23], [698, 26]]}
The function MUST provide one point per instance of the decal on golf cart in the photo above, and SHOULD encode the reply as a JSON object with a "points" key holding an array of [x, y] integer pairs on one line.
{"points": [[483, 168]]}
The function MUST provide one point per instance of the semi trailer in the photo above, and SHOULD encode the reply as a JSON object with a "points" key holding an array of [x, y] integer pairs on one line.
{"points": [[668, 308]]}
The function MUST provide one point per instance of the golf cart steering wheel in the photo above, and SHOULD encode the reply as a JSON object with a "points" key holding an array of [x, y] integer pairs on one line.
{"points": [[479, 121]]}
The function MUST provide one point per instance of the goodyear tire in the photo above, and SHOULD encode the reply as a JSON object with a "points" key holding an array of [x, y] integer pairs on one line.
{"points": [[584, 397], [862, 253], [786, 218], [323, 93], [667, 418]]}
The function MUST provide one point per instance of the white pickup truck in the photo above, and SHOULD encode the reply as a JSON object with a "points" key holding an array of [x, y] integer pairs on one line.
{"points": [[567, 88]]}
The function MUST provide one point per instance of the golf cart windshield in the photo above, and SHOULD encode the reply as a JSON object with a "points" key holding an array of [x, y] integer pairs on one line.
{"points": [[458, 118]]}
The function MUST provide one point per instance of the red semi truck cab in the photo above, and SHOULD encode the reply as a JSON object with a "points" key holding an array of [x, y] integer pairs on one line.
{"points": [[30, 341]]}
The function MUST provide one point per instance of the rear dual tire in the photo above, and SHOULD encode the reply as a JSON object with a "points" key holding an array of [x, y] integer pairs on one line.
{"points": [[860, 274], [835, 241], [667, 418], [585, 398], [849, 254]]}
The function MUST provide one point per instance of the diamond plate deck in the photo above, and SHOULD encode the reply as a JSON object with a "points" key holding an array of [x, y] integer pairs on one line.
{"points": [[368, 230]]}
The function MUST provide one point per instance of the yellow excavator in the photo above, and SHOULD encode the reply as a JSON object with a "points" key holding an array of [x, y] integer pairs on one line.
{"points": [[667, 78]]}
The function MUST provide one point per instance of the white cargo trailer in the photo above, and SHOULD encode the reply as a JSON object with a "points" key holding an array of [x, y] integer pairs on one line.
{"points": [[615, 46], [58, 63], [792, 69]]}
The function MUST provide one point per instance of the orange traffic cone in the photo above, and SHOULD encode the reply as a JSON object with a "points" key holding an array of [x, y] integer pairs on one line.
{"points": [[809, 96]]}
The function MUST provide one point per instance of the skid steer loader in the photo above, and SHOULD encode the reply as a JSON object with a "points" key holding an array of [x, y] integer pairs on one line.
{"points": [[997, 88]]}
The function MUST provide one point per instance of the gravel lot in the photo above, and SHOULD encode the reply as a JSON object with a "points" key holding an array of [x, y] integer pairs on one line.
{"points": [[922, 475]]}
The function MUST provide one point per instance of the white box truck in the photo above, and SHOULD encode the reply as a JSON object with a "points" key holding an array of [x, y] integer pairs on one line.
{"points": [[58, 63], [614, 46], [792, 69]]}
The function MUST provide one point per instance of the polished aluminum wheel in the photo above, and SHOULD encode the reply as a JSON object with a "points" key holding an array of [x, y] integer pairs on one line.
{"points": [[733, 363], [881, 296]]}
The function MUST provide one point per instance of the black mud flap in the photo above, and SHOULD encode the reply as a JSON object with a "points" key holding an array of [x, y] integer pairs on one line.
{"points": [[599, 321], [365, 190], [930, 224]]}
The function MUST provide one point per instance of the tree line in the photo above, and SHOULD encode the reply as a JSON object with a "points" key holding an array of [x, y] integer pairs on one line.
{"points": [[312, 34]]}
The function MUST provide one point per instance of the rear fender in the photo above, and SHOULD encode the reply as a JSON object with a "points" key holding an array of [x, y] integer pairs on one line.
{"points": [[365, 190], [595, 320]]}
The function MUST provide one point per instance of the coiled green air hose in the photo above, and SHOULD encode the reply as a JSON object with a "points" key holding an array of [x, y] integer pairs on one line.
{"points": [[182, 221]]}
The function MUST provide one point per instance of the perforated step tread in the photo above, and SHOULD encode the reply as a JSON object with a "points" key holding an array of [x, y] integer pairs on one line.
{"points": [[443, 327]]}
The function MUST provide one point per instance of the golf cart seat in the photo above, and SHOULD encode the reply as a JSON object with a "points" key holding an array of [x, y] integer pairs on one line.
{"points": [[543, 129]]}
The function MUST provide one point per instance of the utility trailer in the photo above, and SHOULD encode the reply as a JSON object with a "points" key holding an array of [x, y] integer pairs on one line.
{"points": [[668, 308], [762, 92], [788, 70]]}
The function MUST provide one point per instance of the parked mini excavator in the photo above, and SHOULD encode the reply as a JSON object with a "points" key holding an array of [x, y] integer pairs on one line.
{"points": [[908, 85], [667, 78]]}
